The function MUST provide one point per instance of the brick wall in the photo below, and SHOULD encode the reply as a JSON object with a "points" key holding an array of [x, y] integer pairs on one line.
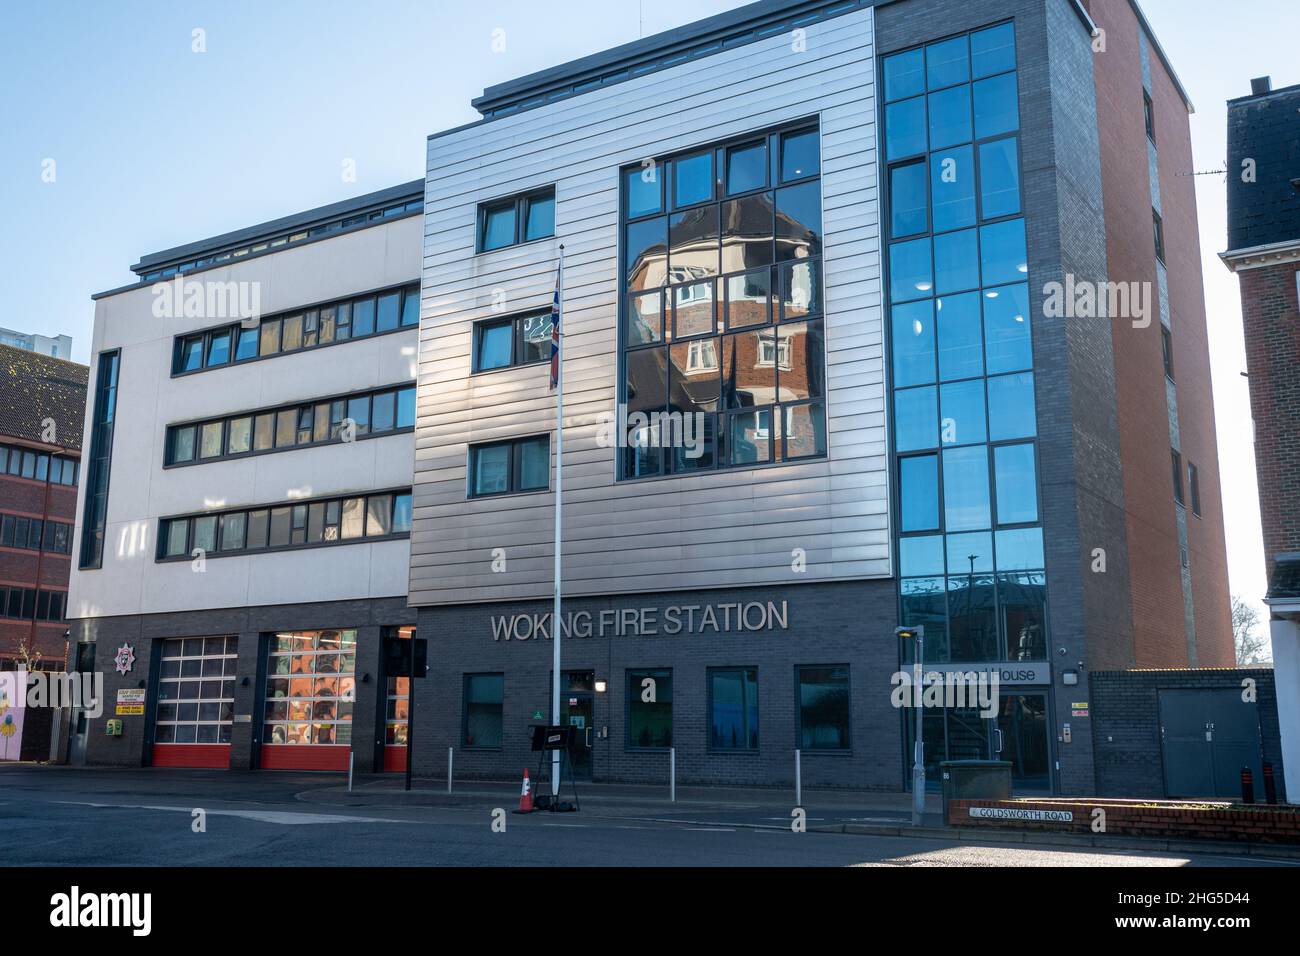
{"points": [[829, 623], [1271, 318], [1126, 724]]}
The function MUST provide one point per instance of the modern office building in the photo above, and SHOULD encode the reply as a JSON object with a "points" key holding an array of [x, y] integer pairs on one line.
{"points": [[242, 547], [1264, 251], [58, 346], [856, 249], [42, 401]]}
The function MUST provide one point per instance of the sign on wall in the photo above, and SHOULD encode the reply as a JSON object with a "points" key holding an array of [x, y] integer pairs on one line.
{"points": [[130, 702]]}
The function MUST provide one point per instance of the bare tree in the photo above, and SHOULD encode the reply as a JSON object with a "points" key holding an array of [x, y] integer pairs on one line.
{"points": [[1252, 648], [27, 656]]}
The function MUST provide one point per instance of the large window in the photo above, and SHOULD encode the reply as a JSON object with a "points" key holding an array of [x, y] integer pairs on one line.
{"points": [[499, 468], [733, 708], [481, 724], [94, 517], [317, 523], [33, 534], [823, 694], [37, 465], [970, 549], [516, 219], [196, 691], [375, 313], [378, 412], [310, 687], [649, 709], [28, 604], [517, 340], [723, 351]]}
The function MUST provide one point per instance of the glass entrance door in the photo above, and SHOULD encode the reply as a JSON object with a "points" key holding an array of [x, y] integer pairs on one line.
{"points": [[577, 707], [1022, 722]]}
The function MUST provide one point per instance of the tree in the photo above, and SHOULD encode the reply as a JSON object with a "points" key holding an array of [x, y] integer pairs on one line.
{"points": [[1251, 647]]}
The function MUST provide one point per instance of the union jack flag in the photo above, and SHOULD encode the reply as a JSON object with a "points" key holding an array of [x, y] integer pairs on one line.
{"points": [[555, 331]]}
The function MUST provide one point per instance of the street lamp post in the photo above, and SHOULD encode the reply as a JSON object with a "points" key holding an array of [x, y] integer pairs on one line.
{"points": [[917, 634]]}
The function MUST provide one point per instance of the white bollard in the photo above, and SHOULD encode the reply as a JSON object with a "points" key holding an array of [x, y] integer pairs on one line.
{"points": [[672, 775], [798, 781], [351, 755], [450, 751]]}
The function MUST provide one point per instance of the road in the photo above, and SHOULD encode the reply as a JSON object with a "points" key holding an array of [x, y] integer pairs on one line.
{"points": [[49, 816]]}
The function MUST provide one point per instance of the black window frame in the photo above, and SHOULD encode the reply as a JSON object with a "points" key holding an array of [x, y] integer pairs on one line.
{"points": [[289, 511], [631, 699], [1167, 352], [517, 340], [172, 430], [94, 518], [1177, 461], [464, 711], [719, 422], [1149, 116], [1194, 488], [709, 674], [308, 314], [514, 479], [798, 708], [1158, 233], [520, 203]]}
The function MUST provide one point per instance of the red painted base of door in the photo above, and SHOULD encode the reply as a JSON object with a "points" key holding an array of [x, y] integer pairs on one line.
{"points": [[300, 757], [394, 759], [199, 756]]}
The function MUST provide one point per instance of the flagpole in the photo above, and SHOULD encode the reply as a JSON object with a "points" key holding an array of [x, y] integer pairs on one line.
{"points": [[559, 473]]}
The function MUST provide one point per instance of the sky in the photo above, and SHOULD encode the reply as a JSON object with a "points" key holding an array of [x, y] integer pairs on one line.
{"points": [[156, 142]]}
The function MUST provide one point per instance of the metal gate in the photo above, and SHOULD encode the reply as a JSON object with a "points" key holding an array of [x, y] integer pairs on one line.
{"points": [[1206, 737]]}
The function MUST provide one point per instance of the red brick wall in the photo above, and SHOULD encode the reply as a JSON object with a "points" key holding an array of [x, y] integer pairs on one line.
{"points": [[18, 566], [1271, 319], [1160, 635]]}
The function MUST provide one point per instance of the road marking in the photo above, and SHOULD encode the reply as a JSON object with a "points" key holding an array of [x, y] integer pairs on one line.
{"points": [[570, 826], [711, 829], [282, 817]]}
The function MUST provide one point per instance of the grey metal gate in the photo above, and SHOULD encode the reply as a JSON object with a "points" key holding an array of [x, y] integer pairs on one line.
{"points": [[1206, 737]]}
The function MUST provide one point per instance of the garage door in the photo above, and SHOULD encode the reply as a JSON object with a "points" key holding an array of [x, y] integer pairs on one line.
{"points": [[310, 693], [195, 702], [1207, 737]]}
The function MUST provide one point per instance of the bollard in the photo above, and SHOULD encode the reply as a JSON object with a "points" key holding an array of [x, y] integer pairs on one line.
{"points": [[798, 781], [351, 755], [450, 751], [672, 775], [1247, 786], [1270, 785]]}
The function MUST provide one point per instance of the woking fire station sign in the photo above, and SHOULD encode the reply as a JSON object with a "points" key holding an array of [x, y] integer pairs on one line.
{"points": [[647, 621]]}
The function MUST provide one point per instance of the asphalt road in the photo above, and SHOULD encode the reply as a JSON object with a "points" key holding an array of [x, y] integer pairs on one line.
{"points": [[48, 817]]}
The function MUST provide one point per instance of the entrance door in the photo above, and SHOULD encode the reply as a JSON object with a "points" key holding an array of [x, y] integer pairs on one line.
{"points": [[1022, 728], [577, 709], [1206, 737], [955, 733]]}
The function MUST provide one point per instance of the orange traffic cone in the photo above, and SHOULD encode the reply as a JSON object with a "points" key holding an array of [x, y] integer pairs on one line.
{"points": [[526, 795]]}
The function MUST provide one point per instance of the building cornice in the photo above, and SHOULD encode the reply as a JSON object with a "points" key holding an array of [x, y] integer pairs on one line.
{"points": [[1260, 257]]}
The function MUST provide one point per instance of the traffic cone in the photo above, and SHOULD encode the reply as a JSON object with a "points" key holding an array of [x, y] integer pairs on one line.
{"points": [[526, 795]]}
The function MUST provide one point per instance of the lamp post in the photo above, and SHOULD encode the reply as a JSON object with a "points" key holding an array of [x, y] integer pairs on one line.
{"points": [[917, 634]]}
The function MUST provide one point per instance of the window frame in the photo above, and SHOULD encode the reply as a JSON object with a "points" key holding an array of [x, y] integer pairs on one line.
{"points": [[517, 340], [629, 701], [1180, 497], [1194, 488], [312, 312], [847, 749], [173, 429], [290, 510], [464, 711], [709, 674], [515, 476], [520, 204]]}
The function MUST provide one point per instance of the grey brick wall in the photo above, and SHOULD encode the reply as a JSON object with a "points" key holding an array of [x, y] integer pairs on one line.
{"points": [[1126, 725], [829, 623]]}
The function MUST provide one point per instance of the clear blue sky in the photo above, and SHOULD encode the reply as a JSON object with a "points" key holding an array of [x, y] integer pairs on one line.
{"points": [[155, 145]]}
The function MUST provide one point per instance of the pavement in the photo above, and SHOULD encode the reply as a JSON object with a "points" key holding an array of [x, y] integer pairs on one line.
{"points": [[64, 816]]}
